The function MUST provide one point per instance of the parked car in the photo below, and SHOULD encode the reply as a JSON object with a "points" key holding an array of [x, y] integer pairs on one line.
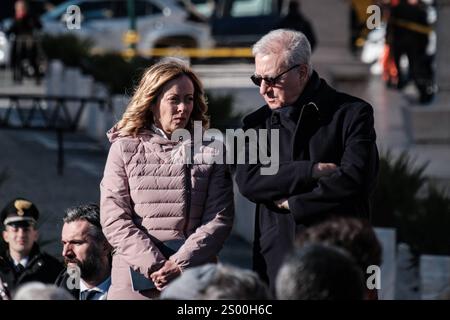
{"points": [[4, 49], [159, 23], [243, 22]]}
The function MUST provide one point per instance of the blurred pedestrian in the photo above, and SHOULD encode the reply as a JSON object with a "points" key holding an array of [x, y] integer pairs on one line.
{"points": [[25, 259], [25, 46], [358, 23], [409, 31]]}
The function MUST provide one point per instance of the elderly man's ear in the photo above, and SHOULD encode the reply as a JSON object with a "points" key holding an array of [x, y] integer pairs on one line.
{"points": [[303, 72]]}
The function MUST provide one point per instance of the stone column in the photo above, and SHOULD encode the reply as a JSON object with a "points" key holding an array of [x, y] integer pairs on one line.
{"points": [[434, 276], [443, 46], [387, 238], [54, 78]]}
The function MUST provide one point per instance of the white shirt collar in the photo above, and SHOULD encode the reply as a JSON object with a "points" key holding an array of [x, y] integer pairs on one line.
{"points": [[23, 262], [102, 287], [158, 131]]}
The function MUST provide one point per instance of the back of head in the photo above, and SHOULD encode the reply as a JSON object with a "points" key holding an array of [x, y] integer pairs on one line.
{"points": [[319, 272], [89, 213], [217, 282], [41, 291], [292, 44], [231, 283], [354, 235]]}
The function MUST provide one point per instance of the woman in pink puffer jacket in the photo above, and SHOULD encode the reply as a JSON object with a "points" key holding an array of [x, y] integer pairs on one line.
{"points": [[161, 212]]}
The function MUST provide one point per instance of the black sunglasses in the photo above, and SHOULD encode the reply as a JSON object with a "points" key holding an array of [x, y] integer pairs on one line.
{"points": [[269, 80]]}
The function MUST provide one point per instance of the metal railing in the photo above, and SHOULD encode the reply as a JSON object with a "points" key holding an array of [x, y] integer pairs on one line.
{"points": [[43, 112]]}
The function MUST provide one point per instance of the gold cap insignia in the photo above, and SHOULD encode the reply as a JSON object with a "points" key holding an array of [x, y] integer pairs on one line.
{"points": [[22, 205]]}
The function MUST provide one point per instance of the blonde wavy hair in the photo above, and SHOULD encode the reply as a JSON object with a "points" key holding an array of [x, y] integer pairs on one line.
{"points": [[138, 114]]}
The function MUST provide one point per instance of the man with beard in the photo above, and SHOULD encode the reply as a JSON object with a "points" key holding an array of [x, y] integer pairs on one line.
{"points": [[23, 261], [87, 254]]}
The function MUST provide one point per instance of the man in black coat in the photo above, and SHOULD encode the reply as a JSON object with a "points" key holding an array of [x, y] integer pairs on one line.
{"points": [[328, 159], [24, 261]]}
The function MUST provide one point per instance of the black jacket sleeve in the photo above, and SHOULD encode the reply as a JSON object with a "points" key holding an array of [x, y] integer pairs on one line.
{"points": [[291, 178], [356, 174]]}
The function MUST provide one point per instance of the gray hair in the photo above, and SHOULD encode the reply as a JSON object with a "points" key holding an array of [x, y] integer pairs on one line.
{"points": [[319, 272], [40, 291], [217, 281], [231, 283], [292, 44], [89, 213]]}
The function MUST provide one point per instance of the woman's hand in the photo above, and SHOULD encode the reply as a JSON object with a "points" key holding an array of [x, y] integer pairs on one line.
{"points": [[169, 271]]}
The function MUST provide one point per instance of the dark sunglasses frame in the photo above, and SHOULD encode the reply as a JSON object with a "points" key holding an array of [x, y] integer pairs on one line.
{"points": [[257, 80]]}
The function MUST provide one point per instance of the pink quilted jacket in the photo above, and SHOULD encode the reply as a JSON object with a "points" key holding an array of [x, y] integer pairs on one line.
{"points": [[147, 196]]}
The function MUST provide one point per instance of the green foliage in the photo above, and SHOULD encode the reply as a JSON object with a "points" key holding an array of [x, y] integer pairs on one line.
{"points": [[68, 48], [399, 181], [112, 69], [220, 110], [426, 228], [406, 200], [118, 74]]}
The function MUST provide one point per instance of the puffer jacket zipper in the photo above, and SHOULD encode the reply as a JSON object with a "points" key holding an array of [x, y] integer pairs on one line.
{"points": [[188, 186]]}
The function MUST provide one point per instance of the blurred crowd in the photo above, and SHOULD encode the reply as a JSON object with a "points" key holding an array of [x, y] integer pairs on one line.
{"points": [[329, 262], [408, 47]]}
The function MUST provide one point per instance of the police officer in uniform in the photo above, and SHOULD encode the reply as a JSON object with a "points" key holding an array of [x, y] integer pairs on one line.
{"points": [[25, 262], [4, 292]]}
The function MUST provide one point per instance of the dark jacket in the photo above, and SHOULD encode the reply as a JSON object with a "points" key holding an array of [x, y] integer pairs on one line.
{"points": [[331, 127], [4, 292], [41, 267], [64, 279]]}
